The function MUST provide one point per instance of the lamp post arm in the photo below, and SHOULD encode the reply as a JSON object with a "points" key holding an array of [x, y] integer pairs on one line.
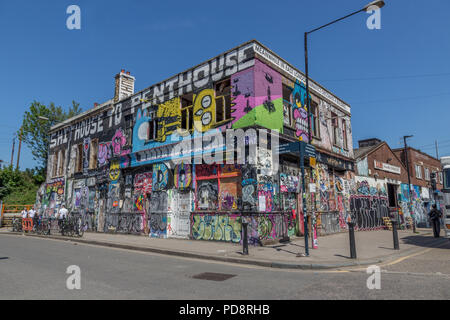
{"points": [[337, 20]]}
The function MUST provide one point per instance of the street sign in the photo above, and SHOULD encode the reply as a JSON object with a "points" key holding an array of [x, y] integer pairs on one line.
{"points": [[291, 147]]}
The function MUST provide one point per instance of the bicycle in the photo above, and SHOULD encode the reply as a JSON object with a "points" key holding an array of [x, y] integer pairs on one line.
{"points": [[43, 226], [17, 224]]}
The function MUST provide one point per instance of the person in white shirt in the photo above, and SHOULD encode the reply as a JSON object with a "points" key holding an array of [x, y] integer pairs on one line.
{"points": [[24, 213], [31, 213], [63, 212]]}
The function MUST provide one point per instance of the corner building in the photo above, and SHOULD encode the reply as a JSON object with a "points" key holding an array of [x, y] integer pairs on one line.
{"points": [[148, 162]]}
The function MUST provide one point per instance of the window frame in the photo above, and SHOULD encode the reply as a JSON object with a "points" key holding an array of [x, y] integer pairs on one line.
{"points": [[315, 119], [189, 110], [226, 106], [79, 159], [335, 120], [93, 154], [418, 169], [288, 103]]}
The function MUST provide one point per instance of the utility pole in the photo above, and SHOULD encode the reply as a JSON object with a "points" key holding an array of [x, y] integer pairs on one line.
{"points": [[18, 151], [437, 153], [12, 153], [409, 183]]}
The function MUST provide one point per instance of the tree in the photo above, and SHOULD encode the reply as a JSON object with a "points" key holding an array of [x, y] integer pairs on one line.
{"points": [[19, 187], [34, 131]]}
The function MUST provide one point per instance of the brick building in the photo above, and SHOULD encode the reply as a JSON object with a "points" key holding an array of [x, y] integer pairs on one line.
{"points": [[377, 161]]}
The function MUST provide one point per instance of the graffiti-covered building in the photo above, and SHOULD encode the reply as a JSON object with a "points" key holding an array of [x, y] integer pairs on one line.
{"points": [[204, 150], [421, 166]]}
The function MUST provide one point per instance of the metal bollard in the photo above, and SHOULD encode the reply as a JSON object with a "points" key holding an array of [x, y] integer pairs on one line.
{"points": [[245, 238], [351, 234], [395, 234]]}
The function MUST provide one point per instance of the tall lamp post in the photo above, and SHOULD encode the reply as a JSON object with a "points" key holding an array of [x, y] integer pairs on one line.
{"points": [[378, 4]]}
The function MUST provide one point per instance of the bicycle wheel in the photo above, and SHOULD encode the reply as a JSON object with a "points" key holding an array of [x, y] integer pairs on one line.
{"points": [[80, 228]]}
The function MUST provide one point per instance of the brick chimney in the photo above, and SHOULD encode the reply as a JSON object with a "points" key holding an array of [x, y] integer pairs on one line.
{"points": [[369, 142], [124, 85]]}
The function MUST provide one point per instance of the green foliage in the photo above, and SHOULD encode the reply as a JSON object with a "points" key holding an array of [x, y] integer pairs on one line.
{"points": [[19, 187], [35, 131]]}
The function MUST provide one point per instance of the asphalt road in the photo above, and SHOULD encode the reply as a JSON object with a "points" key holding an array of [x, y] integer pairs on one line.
{"points": [[34, 268]]}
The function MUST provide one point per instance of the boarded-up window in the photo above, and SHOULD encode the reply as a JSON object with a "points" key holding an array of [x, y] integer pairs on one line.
{"points": [[61, 161], [79, 163], [93, 154], [55, 164]]}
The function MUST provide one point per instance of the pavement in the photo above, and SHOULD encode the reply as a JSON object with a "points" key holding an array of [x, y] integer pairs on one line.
{"points": [[372, 247]]}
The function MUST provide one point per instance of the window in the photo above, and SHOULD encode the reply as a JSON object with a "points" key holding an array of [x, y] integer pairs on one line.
{"points": [[187, 111], [93, 154], [152, 133], [344, 134], [418, 171], [128, 129], [79, 164], [446, 178], [335, 125], [55, 164], [427, 174], [287, 106], [223, 100], [61, 160], [440, 177], [315, 126]]}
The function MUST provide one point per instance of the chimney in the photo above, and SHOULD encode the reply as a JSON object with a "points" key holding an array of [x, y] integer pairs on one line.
{"points": [[95, 104], [124, 85], [369, 142]]}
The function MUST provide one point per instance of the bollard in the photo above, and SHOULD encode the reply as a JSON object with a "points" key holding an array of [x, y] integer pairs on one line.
{"points": [[351, 234], [395, 234], [244, 238]]}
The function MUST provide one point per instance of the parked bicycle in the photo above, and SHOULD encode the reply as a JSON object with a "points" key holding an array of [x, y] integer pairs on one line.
{"points": [[72, 226], [43, 226], [17, 224]]}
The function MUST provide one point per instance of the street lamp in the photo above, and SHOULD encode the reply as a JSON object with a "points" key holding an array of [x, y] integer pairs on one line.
{"points": [[379, 4]]}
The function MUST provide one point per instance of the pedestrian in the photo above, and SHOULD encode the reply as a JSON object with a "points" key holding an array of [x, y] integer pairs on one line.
{"points": [[62, 215], [435, 216], [24, 213]]}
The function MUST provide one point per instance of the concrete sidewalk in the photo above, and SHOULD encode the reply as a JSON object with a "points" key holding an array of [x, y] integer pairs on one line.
{"points": [[333, 252]]}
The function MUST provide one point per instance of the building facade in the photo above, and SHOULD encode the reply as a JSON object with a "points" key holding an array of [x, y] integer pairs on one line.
{"points": [[199, 153], [421, 165]]}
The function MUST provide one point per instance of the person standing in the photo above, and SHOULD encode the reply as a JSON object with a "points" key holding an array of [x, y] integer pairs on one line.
{"points": [[435, 216]]}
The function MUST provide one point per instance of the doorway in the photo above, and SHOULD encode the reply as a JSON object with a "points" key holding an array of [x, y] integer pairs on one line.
{"points": [[392, 195]]}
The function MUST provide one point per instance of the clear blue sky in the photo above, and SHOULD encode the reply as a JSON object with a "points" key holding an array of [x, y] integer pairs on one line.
{"points": [[396, 79]]}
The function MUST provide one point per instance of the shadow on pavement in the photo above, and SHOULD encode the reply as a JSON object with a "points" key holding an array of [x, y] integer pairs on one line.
{"points": [[424, 241], [3, 258]]}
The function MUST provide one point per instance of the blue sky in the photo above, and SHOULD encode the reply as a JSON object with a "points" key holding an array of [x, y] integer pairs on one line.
{"points": [[395, 79]]}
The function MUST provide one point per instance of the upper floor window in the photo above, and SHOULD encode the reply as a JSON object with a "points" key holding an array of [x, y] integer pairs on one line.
{"points": [[418, 171], [287, 106], [61, 161], [335, 126], [427, 174], [440, 177], [315, 124], [223, 100], [152, 128], [344, 134], [55, 164], [93, 154], [79, 162], [187, 111]]}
